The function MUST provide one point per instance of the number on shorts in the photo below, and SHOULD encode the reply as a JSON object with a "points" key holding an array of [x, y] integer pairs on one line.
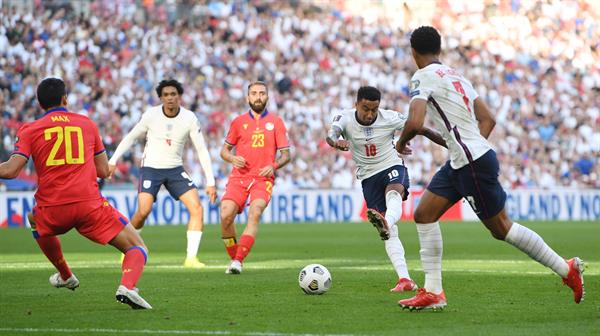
{"points": [[64, 134], [393, 173], [471, 201], [269, 187]]}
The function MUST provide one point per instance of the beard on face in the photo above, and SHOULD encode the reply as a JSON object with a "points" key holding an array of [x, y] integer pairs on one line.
{"points": [[258, 106]]}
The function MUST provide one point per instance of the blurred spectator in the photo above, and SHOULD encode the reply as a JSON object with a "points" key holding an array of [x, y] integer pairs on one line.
{"points": [[537, 64]]}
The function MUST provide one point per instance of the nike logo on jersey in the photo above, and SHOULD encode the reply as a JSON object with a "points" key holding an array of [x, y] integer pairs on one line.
{"points": [[368, 139]]}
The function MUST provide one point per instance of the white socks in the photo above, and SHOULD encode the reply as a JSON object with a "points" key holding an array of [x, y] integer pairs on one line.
{"points": [[393, 246], [393, 202], [193, 243], [534, 246], [430, 239]]}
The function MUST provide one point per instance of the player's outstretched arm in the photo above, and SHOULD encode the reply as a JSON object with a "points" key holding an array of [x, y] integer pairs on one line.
{"points": [[137, 131], [484, 117], [333, 139], [11, 168], [227, 156], [433, 136], [416, 119], [203, 156], [101, 162]]}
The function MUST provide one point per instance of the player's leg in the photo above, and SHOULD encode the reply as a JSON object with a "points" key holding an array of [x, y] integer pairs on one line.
{"points": [[435, 201], [232, 204], [145, 201], [195, 227], [260, 195], [50, 246], [150, 181]]}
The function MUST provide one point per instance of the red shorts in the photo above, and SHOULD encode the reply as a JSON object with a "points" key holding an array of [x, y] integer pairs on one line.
{"points": [[96, 220], [238, 190]]}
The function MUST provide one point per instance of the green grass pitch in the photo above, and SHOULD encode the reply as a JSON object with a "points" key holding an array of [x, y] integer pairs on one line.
{"points": [[492, 288]]}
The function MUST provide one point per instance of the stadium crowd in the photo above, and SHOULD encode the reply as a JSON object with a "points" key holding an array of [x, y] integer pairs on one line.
{"points": [[537, 64]]}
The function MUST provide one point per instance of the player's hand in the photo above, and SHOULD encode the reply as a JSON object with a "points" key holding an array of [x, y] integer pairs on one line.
{"points": [[267, 171], [342, 144], [238, 161], [211, 191], [111, 171], [403, 150]]}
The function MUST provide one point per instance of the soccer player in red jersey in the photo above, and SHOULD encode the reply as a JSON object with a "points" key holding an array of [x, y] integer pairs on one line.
{"points": [[257, 136], [68, 155]]}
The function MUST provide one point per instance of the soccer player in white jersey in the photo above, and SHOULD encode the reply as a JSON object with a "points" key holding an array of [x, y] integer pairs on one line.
{"points": [[167, 128], [471, 173], [368, 132]]}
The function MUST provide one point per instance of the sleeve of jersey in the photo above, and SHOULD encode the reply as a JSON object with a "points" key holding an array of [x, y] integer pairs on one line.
{"points": [[203, 154], [421, 86], [232, 135], [339, 121], [281, 139], [22, 144], [98, 144], [140, 129]]}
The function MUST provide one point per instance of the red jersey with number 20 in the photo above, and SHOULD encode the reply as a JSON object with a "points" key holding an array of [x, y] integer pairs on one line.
{"points": [[257, 141], [63, 146]]}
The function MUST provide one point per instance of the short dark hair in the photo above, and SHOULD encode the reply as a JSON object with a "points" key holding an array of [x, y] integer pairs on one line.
{"points": [[50, 92], [169, 82], [426, 40], [368, 93], [258, 82]]}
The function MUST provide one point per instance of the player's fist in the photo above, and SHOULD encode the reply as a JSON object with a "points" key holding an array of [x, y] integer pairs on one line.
{"points": [[342, 144], [238, 161], [111, 170], [267, 171], [211, 191], [404, 150]]}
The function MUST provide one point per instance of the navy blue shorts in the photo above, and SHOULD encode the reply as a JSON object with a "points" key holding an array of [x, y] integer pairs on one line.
{"points": [[176, 180], [374, 186], [477, 182]]}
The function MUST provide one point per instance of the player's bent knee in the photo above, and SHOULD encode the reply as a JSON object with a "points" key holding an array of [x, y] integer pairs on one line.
{"points": [[423, 217]]}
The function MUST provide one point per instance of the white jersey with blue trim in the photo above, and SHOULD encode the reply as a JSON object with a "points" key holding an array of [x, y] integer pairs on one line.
{"points": [[165, 140], [450, 103], [372, 146]]}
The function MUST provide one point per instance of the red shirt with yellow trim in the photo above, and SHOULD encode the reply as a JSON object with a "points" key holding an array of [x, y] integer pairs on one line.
{"points": [[62, 146], [257, 140]]}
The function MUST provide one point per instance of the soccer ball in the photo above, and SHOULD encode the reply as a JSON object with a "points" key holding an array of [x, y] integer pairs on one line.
{"points": [[314, 279]]}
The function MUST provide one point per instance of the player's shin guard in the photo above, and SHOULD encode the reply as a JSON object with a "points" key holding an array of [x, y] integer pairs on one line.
{"points": [[244, 247], [430, 239], [534, 246], [393, 202], [231, 246], [50, 245], [133, 265]]}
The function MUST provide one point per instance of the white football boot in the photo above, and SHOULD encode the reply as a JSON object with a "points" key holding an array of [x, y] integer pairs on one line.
{"points": [[71, 283], [132, 298], [234, 268]]}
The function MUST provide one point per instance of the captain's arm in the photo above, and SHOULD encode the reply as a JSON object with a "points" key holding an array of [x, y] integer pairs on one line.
{"points": [[484, 117], [284, 158], [11, 168], [333, 135]]}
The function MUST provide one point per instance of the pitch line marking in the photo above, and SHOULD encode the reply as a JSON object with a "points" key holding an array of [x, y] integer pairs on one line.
{"points": [[154, 332]]}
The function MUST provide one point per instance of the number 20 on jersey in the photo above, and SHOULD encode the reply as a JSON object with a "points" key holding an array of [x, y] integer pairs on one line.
{"points": [[63, 136]]}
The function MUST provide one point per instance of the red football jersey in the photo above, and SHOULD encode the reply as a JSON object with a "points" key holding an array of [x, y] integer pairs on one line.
{"points": [[63, 146], [257, 141]]}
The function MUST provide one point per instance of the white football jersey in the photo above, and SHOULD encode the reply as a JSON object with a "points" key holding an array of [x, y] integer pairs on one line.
{"points": [[450, 103], [372, 146], [165, 140]]}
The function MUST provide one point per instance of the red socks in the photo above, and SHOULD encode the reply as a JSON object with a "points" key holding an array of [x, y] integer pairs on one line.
{"points": [[133, 265], [50, 245], [244, 247], [231, 246]]}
